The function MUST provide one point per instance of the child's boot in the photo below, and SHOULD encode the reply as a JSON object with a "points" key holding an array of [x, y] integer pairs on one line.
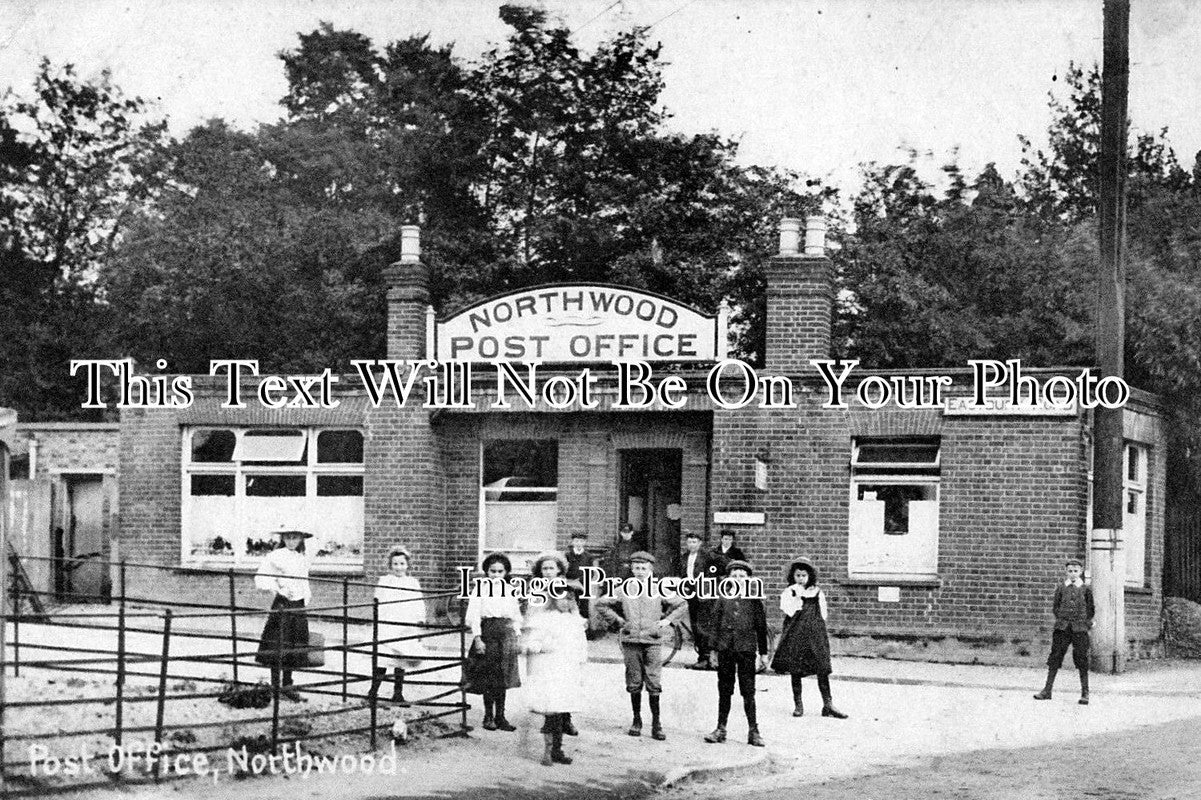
{"points": [[569, 728], [556, 754], [1045, 694], [377, 680], [548, 752], [723, 716], [398, 688], [656, 729], [489, 719], [636, 705], [1083, 687], [798, 707], [502, 724], [752, 722], [828, 709]]}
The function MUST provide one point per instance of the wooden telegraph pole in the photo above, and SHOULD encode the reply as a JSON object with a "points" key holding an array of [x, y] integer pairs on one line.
{"points": [[1108, 561]]}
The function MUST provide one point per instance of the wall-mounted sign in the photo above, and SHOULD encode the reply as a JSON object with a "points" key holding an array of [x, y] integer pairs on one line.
{"points": [[1002, 407], [579, 323], [739, 518]]}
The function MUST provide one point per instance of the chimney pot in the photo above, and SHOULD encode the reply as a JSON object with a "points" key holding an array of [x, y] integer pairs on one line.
{"points": [[815, 236], [410, 244], [790, 236]]}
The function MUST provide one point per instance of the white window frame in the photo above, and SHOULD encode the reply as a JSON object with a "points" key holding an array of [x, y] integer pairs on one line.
{"points": [[1136, 560], [1134, 526], [521, 558], [311, 470], [923, 473]]}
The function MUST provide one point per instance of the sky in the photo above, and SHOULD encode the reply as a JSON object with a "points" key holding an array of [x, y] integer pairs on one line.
{"points": [[817, 87]]}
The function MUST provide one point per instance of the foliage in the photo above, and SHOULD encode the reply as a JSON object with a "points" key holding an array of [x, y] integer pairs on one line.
{"points": [[77, 158], [931, 280]]}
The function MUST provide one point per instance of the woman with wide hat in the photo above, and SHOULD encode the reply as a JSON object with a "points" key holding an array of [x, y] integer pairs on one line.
{"points": [[284, 644], [495, 623], [804, 647]]}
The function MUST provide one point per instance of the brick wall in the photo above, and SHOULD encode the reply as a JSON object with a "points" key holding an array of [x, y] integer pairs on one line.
{"points": [[67, 447], [1013, 503]]}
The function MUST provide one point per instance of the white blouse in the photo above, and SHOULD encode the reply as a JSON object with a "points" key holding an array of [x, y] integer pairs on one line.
{"points": [[792, 598], [480, 607], [285, 572]]}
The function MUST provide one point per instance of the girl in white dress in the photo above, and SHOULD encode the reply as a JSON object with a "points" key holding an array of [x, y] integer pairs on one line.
{"points": [[556, 651], [401, 613]]}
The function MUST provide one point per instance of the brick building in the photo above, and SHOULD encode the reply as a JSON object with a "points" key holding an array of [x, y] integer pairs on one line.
{"points": [[927, 526]]}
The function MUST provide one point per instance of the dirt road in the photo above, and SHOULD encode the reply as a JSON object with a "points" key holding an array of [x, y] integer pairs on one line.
{"points": [[1161, 762]]}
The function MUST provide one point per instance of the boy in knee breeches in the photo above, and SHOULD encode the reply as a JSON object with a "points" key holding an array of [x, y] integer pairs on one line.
{"points": [[644, 624], [739, 629], [1074, 609]]}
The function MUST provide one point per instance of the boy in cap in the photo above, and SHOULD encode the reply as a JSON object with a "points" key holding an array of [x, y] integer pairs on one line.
{"points": [[1074, 609], [739, 628], [644, 621]]}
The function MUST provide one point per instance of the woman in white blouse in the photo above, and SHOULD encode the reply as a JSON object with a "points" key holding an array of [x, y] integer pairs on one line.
{"points": [[495, 624], [283, 645]]}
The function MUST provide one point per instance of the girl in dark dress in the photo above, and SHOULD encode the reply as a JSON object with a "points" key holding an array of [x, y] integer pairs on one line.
{"points": [[804, 647], [495, 624]]}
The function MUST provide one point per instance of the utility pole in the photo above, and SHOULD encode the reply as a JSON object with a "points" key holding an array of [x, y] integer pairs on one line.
{"points": [[1108, 558]]}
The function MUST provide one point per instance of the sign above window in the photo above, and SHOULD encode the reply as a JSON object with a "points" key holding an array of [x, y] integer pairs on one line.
{"points": [[579, 323]]}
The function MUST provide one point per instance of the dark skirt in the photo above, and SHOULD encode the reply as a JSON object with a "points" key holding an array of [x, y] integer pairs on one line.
{"points": [[496, 670], [285, 637], [804, 647]]}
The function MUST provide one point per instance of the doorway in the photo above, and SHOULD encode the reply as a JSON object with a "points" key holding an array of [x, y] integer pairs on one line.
{"points": [[648, 495], [77, 541]]}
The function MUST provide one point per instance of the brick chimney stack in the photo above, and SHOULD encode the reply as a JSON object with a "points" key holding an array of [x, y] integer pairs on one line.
{"points": [[408, 297], [800, 298]]}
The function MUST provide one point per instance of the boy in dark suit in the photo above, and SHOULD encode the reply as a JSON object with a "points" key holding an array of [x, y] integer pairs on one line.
{"points": [[739, 628], [727, 550], [578, 557], [1074, 609], [696, 563]]}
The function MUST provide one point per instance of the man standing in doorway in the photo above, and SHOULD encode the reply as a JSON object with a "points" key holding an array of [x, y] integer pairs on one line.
{"points": [[696, 563]]}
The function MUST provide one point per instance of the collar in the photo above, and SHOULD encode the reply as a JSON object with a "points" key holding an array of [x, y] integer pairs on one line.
{"points": [[1077, 582]]}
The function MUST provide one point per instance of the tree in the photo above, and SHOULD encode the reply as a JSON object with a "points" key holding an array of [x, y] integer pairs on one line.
{"points": [[929, 280], [77, 158], [239, 260]]}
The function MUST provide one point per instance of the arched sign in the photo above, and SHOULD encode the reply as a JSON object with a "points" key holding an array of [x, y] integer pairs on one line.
{"points": [[579, 323]]}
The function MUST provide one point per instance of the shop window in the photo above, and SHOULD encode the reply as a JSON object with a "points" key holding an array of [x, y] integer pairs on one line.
{"points": [[242, 484], [519, 492], [894, 508], [1134, 518]]}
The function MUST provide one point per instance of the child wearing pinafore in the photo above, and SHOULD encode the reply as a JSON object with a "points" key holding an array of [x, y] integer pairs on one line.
{"points": [[495, 624], [804, 647], [557, 648], [401, 614]]}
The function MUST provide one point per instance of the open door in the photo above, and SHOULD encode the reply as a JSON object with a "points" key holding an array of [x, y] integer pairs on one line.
{"points": [[649, 497], [78, 542]]}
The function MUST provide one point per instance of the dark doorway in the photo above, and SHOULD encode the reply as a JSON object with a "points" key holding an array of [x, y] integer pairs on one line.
{"points": [[649, 499], [80, 571]]}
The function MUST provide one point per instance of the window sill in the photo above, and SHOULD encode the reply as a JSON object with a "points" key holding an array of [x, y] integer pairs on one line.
{"points": [[1147, 590], [211, 567], [890, 580]]}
